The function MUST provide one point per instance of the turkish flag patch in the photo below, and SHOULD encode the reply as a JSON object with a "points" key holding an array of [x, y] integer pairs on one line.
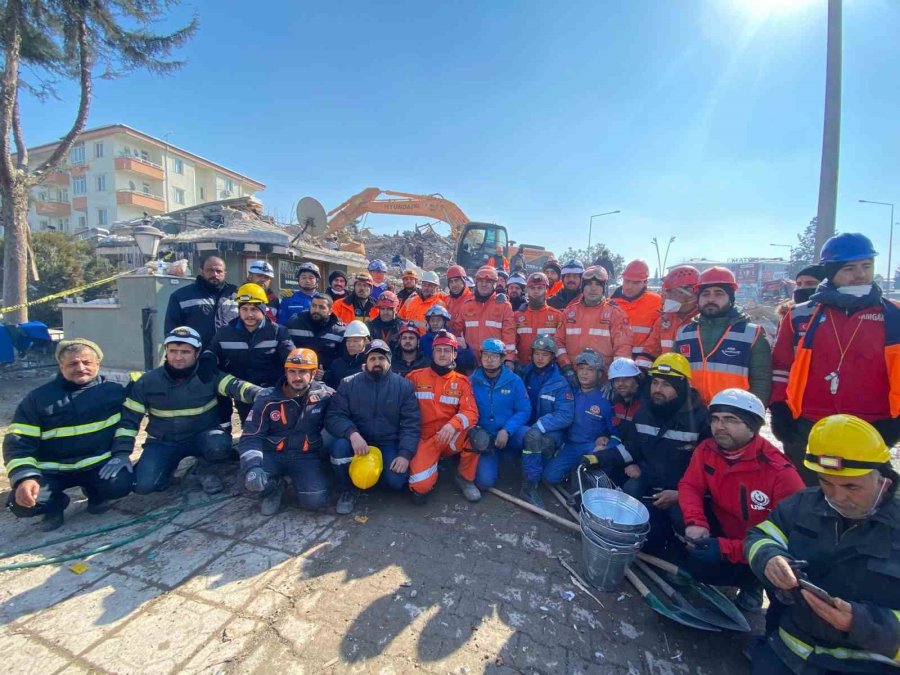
{"points": [[685, 350]]}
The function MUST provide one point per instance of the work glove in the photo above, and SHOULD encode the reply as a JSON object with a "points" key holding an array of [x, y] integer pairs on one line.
{"points": [[256, 480], [480, 441], [590, 460], [782, 421], [706, 551], [112, 468], [207, 367]]}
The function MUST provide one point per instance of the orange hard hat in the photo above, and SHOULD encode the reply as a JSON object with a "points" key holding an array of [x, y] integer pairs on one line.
{"points": [[302, 359], [683, 275], [717, 276], [636, 270], [486, 272]]}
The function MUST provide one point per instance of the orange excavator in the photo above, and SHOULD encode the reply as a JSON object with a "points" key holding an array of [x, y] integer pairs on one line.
{"points": [[476, 243]]}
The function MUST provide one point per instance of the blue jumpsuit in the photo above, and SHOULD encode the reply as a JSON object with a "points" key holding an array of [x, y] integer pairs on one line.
{"points": [[552, 412], [593, 418]]}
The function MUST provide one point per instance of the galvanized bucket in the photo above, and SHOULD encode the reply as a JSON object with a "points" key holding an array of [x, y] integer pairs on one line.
{"points": [[605, 563], [614, 510]]}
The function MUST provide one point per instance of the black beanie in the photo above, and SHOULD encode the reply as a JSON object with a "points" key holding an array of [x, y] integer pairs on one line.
{"points": [[832, 268], [725, 287], [815, 271], [746, 417]]}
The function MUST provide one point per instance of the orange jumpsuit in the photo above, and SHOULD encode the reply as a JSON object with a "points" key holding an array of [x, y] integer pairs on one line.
{"points": [[477, 321], [453, 304], [415, 307], [442, 399], [604, 328], [642, 312], [662, 335], [532, 323], [346, 313]]}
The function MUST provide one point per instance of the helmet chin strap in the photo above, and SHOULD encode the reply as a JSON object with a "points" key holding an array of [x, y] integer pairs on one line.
{"points": [[872, 510]]}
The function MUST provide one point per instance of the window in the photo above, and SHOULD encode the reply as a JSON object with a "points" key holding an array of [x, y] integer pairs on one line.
{"points": [[229, 185], [63, 224], [177, 165], [82, 222], [179, 196], [102, 217], [63, 195], [145, 187], [76, 154], [202, 195], [42, 196], [98, 150], [144, 155], [101, 183], [79, 185]]}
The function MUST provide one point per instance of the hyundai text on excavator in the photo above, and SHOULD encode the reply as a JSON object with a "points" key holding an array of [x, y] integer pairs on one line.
{"points": [[476, 242]]}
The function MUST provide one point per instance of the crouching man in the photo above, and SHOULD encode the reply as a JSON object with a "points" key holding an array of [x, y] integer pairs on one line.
{"points": [[61, 436], [179, 400], [282, 436]]}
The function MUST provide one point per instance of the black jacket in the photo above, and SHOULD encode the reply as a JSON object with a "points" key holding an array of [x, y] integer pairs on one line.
{"points": [[202, 307], [280, 424], [384, 411], [386, 331], [257, 357], [399, 366], [563, 298], [343, 366], [62, 427], [324, 338]]}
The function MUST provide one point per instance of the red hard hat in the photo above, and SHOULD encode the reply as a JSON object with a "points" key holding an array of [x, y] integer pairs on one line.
{"points": [[455, 271], [683, 275], [486, 272], [636, 270], [388, 300], [717, 276], [445, 337], [538, 279]]}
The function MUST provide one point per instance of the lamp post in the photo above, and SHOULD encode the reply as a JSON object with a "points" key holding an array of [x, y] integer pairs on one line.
{"points": [[147, 239], [888, 279], [831, 129], [787, 246], [591, 226], [661, 263]]}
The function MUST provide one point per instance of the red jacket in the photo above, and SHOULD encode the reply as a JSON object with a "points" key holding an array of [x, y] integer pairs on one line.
{"points": [[453, 304], [743, 493], [532, 323], [477, 321]]}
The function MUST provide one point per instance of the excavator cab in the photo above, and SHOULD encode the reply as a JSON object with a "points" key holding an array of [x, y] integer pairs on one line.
{"points": [[477, 244]]}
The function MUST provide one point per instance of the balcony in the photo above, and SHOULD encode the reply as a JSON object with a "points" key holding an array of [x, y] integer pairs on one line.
{"points": [[55, 209], [140, 166], [141, 200], [79, 203], [60, 178]]}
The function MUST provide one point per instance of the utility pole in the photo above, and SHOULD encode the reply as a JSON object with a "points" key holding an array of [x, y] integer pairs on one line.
{"points": [[831, 133]]}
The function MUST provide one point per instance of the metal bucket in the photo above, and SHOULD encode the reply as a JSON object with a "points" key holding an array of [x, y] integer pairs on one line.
{"points": [[605, 563], [615, 510], [609, 532]]}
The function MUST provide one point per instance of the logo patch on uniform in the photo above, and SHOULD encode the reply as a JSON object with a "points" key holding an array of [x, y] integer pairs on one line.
{"points": [[521, 318], [666, 323], [570, 396], [730, 352], [454, 385], [594, 410], [275, 416], [685, 350], [760, 500], [505, 392]]}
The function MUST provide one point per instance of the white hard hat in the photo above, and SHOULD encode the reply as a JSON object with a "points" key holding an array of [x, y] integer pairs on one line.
{"points": [[356, 329], [261, 267], [431, 278], [740, 399], [623, 367]]}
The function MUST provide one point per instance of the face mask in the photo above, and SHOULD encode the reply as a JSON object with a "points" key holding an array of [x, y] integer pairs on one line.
{"points": [[671, 305], [869, 512], [803, 294], [856, 291]]}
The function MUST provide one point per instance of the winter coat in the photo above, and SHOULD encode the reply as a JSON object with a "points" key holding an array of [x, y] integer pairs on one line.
{"points": [[202, 307], [502, 403]]}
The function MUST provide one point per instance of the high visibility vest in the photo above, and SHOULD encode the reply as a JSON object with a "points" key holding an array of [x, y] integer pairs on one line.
{"points": [[726, 365]]}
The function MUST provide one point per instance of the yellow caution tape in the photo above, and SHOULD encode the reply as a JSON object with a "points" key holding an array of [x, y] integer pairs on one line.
{"points": [[69, 291]]}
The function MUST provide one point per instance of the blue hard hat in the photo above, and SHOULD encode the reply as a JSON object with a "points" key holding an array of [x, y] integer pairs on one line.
{"points": [[377, 266], [437, 310], [847, 247], [573, 266], [493, 346]]}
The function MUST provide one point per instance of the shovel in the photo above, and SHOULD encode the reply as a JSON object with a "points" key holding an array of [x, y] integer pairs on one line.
{"points": [[730, 617], [659, 607]]}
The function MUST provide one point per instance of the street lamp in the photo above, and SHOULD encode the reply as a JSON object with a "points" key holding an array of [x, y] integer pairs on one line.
{"points": [[147, 239], [661, 264], [787, 246], [888, 279], [591, 226]]}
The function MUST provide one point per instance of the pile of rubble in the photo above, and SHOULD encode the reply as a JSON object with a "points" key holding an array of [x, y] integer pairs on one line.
{"points": [[438, 251]]}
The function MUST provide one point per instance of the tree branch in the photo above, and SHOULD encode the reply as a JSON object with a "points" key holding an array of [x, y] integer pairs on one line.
{"points": [[9, 86], [21, 148], [84, 105]]}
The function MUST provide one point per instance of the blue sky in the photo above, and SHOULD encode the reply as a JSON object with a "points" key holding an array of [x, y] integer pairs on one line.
{"points": [[698, 119]]}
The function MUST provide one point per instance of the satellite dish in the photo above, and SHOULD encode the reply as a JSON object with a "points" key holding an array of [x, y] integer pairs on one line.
{"points": [[311, 217]]}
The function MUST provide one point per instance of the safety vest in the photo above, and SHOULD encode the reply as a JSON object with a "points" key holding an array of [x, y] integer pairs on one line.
{"points": [[727, 365]]}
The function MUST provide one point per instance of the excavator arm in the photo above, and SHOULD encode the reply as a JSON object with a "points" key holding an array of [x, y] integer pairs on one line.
{"points": [[401, 203]]}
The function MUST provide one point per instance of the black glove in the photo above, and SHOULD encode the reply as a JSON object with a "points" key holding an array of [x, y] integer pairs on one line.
{"points": [[782, 421], [207, 367]]}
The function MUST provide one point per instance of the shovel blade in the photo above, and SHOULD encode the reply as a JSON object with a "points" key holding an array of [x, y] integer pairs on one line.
{"points": [[726, 614]]}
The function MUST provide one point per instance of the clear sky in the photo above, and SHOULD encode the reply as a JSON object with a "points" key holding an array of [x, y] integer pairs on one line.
{"points": [[699, 119]]}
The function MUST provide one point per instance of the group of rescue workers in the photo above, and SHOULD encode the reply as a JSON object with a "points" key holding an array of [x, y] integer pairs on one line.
{"points": [[666, 394]]}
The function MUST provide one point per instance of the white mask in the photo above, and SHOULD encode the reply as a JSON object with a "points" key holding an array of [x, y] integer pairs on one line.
{"points": [[870, 512], [671, 305], [856, 291]]}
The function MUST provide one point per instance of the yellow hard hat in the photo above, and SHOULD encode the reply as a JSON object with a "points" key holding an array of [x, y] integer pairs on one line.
{"points": [[252, 294], [365, 470], [671, 363], [844, 445]]}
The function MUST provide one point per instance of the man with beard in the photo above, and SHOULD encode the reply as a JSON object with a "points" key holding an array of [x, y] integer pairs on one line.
{"points": [[318, 329], [625, 380], [515, 292], [517, 262], [407, 356], [358, 305], [485, 315], [536, 318], [352, 355], [282, 436], [842, 537], [448, 410], [725, 349], [206, 305], [679, 307], [502, 278], [665, 432], [422, 300], [308, 278], [839, 352], [733, 482], [641, 305], [553, 270], [410, 280], [337, 285], [458, 290], [386, 325], [572, 273], [379, 408]]}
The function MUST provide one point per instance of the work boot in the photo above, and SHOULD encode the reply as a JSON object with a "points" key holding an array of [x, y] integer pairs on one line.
{"points": [[530, 492], [271, 503], [420, 499], [211, 483], [750, 599], [51, 521], [468, 488], [345, 503]]}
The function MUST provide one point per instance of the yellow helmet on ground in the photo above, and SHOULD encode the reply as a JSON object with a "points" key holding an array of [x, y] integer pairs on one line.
{"points": [[844, 445], [365, 470], [671, 364], [251, 294]]}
